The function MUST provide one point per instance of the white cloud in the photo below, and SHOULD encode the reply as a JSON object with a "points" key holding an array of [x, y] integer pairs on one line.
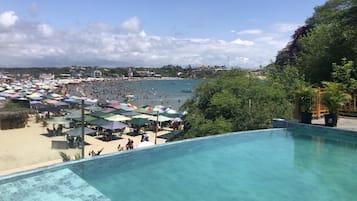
{"points": [[238, 41], [8, 18], [286, 27], [45, 29], [129, 45], [250, 32], [132, 25]]}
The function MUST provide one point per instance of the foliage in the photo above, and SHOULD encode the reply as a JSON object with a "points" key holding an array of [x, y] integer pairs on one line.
{"points": [[305, 95], [234, 102], [77, 156], [288, 77], [44, 123], [328, 36], [334, 98], [344, 74], [64, 156]]}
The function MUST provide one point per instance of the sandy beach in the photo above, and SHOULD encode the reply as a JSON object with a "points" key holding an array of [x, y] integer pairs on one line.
{"points": [[28, 148]]}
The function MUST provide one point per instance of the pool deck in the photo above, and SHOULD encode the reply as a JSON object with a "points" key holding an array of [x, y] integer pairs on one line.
{"points": [[346, 123]]}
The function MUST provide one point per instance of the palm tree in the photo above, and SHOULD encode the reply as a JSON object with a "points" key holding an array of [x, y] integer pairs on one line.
{"points": [[334, 99]]}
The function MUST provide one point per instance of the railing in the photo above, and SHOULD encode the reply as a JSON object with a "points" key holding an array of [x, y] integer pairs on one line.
{"points": [[319, 110]]}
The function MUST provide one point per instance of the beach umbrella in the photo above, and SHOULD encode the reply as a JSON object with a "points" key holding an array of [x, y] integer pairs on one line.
{"points": [[126, 107], [98, 114], [87, 118], [99, 122], [113, 125], [58, 120], [144, 116], [114, 105], [93, 108], [177, 119], [74, 115], [130, 113], [144, 111], [53, 102], [160, 118], [77, 132], [108, 109], [139, 121], [117, 117], [119, 111]]}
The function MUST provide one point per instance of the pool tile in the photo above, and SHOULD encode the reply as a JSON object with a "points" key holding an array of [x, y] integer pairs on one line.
{"points": [[59, 185]]}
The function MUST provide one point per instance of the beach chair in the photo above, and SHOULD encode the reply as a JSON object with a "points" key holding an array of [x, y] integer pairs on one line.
{"points": [[50, 132]]}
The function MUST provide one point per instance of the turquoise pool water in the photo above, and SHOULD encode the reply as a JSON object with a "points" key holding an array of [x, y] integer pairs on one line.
{"points": [[276, 164]]}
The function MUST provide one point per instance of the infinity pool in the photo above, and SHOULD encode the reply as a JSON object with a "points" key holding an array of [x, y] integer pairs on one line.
{"points": [[273, 164]]}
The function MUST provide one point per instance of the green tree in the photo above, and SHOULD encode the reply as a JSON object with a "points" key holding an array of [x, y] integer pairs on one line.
{"points": [[345, 74], [234, 101]]}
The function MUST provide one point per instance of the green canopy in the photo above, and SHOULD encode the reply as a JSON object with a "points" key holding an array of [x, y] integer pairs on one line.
{"points": [[98, 122], [87, 118], [139, 121], [160, 118]]}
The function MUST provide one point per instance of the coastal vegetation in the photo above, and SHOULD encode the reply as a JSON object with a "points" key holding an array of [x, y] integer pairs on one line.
{"points": [[13, 115], [234, 101]]}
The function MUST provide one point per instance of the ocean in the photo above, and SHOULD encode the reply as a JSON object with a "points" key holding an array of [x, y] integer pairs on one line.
{"points": [[169, 93]]}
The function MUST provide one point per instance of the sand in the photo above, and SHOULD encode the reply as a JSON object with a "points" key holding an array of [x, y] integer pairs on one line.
{"points": [[28, 148]]}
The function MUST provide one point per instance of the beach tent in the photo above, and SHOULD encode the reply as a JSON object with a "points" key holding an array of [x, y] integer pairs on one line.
{"points": [[131, 113], [58, 121], [93, 108], [117, 117], [144, 116], [139, 121], [113, 125], [99, 122], [98, 114], [160, 118], [74, 115], [87, 118], [77, 132]]}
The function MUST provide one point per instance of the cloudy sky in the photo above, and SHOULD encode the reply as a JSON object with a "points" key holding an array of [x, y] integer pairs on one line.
{"points": [[244, 33]]}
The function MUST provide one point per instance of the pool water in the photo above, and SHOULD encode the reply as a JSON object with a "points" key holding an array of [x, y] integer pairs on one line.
{"points": [[274, 164]]}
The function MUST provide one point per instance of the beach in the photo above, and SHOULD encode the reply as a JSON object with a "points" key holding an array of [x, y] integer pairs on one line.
{"points": [[28, 148]]}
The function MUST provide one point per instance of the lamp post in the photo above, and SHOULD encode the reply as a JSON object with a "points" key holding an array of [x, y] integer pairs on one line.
{"points": [[156, 125], [82, 126]]}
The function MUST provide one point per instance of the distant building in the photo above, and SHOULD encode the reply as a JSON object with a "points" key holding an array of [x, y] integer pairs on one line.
{"points": [[97, 73], [47, 76]]}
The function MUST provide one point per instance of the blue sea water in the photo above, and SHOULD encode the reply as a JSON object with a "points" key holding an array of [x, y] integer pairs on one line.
{"points": [[170, 93]]}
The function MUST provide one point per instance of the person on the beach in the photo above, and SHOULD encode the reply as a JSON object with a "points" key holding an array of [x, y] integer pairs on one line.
{"points": [[93, 153], [120, 148], [130, 144]]}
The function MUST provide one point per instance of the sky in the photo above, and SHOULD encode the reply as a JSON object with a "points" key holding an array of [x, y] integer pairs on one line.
{"points": [[111, 33]]}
